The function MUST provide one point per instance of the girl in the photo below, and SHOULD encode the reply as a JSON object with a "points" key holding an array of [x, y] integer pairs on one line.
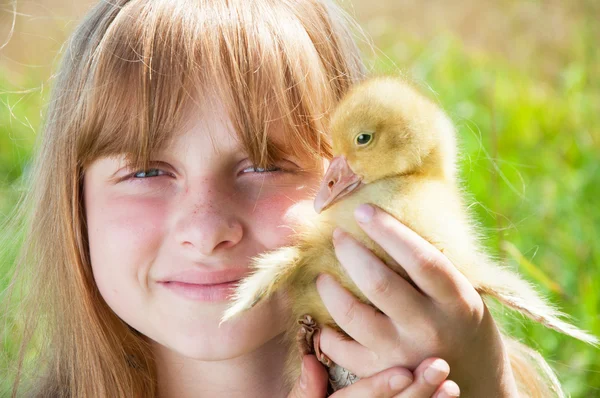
{"points": [[183, 138]]}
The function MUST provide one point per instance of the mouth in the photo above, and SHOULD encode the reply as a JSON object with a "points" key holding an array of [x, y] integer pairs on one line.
{"points": [[202, 292], [199, 285], [339, 181]]}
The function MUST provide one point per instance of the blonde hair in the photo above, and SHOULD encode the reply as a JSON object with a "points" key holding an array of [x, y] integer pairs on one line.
{"points": [[129, 71]]}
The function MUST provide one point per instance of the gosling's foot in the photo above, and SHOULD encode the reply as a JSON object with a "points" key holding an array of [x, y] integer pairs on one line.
{"points": [[304, 338]]}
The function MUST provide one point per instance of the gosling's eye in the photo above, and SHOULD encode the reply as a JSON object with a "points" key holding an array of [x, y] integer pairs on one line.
{"points": [[364, 138]]}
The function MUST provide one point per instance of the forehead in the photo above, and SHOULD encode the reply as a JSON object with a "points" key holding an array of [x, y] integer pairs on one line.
{"points": [[214, 110], [210, 122]]}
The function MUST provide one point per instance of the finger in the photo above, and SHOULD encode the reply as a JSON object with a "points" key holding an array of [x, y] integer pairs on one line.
{"points": [[313, 380], [447, 389], [385, 384], [361, 321], [431, 271], [429, 375], [349, 354], [387, 290]]}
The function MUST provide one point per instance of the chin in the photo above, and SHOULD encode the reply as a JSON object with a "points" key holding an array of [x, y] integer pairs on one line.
{"points": [[205, 340]]}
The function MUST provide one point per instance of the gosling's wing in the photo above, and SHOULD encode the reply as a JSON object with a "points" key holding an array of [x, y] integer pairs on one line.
{"points": [[514, 292], [271, 271]]}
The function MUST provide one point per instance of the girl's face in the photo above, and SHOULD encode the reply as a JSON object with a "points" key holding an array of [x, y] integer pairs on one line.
{"points": [[161, 240]]}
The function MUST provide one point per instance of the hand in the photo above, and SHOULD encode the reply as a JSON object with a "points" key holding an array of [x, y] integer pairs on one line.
{"points": [[445, 317], [314, 378]]}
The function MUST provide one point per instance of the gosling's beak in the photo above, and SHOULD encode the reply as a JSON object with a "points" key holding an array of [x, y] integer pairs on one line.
{"points": [[338, 182]]}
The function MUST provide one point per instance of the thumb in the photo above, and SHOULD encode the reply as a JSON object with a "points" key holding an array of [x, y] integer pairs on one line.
{"points": [[313, 380]]}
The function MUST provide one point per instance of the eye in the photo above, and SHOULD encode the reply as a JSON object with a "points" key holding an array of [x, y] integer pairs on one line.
{"points": [[363, 138], [254, 169], [158, 169], [142, 174]]}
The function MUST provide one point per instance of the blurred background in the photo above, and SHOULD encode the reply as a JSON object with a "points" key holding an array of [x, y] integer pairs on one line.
{"points": [[521, 80]]}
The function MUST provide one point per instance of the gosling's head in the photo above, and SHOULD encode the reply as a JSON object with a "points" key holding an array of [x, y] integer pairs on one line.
{"points": [[383, 128]]}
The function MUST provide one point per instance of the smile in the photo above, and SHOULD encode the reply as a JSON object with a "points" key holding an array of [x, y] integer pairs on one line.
{"points": [[202, 292]]}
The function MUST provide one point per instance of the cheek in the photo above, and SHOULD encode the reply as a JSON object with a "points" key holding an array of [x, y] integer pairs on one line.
{"points": [[124, 237], [274, 218]]}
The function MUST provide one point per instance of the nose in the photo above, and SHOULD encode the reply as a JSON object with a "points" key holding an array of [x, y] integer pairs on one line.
{"points": [[209, 225]]}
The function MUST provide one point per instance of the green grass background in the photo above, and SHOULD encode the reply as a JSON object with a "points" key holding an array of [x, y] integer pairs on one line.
{"points": [[521, 80]]}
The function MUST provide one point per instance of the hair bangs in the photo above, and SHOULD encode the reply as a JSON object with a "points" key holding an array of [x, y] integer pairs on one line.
{"points": [[156, 58], [275, 73], [144, 72]]}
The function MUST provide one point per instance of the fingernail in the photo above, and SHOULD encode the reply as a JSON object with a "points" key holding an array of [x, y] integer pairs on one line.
{"points": [[436, 372], [323, 278], [337, 233], [303, 377], [364, 213], [449, 391], [400, 382]]}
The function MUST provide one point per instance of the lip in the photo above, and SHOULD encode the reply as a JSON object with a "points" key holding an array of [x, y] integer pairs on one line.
{"points": [[208, 286]]}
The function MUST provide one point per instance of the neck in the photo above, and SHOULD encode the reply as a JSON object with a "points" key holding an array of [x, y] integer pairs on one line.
{"points": [[255, 374]]}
